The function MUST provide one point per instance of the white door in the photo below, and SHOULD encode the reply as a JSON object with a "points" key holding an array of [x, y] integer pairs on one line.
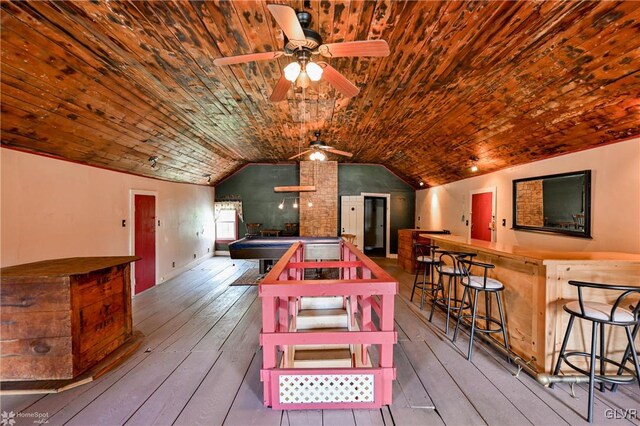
{"points": [[352, 217]]}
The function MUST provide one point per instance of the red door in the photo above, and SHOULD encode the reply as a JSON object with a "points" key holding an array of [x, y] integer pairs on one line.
{"points": [[481, 209], [145, 241]]}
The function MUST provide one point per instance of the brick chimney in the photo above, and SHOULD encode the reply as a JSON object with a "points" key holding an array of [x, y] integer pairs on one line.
{"points": [[321, 219]]}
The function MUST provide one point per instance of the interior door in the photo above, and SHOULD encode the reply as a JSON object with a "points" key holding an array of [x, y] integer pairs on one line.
{"points": [[481, 216], [351, 218], [145, 241], [374, 226]]}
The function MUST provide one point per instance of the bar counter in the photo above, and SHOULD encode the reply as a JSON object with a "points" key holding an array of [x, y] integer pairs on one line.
{"points": [[536, 288]]}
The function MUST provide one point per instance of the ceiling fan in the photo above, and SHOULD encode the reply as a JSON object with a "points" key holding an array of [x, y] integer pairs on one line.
{"points": [[302, 43], [317, 148]]}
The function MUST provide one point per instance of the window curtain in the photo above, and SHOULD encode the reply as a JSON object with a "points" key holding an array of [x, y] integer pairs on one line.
{"points": [[228, 205]]}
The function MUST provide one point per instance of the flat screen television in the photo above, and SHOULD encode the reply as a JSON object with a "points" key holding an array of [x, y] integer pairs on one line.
{"points": [[559, 203]]}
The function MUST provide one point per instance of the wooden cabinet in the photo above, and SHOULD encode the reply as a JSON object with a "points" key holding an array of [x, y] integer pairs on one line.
{"points": [[60, 317], [406, 239]]}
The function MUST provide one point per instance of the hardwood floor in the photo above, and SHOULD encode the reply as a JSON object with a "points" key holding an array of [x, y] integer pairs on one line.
{"points": [[200, 362]]}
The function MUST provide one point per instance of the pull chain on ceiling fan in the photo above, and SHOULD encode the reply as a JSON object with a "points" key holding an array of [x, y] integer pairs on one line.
{"points": [[302, 43]]}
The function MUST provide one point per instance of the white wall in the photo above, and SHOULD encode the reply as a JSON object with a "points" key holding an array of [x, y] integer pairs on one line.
{"points": [[615, 200], [54, 209]]}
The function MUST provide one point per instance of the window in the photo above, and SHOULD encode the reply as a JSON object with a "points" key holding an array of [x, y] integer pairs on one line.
{"points": [[226, 225]]}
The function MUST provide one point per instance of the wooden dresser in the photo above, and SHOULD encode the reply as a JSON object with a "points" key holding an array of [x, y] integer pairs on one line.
{"points": [[60, 317], [406, 238]]}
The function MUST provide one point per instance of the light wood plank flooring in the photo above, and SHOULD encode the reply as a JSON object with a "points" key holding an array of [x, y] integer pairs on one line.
{"points": [[200, 362]]}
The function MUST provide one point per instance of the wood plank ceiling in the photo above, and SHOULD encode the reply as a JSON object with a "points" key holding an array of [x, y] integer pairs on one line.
{"points": [[114, 83]]}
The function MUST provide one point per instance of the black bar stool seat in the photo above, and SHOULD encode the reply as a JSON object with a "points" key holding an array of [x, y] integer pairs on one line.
{"points": [[476, 284], [425, 259], [601, 314]]}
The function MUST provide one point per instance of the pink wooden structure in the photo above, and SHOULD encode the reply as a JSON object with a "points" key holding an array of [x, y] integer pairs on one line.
{"points": [[365, 287]]}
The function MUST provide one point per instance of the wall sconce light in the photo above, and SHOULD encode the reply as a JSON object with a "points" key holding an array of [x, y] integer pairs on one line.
{"points": [[153, 161], [309, 204], [281, 205], [295, 203]]}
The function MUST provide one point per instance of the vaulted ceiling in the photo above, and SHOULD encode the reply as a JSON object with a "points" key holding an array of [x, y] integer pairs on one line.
{"points": [[114, 83]]}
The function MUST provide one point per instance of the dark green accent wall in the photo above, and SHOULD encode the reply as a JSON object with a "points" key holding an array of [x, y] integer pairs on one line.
{"points": [[254, 184], [354, 179]]}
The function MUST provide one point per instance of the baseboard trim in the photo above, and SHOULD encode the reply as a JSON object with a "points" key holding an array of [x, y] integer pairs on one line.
{"points": [[184, 268], [221, 253], [393, 256]]}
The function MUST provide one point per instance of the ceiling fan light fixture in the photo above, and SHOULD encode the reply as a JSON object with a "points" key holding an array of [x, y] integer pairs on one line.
{"points": [[317, 156], [314, 71], [303, 80], [292, 71]]}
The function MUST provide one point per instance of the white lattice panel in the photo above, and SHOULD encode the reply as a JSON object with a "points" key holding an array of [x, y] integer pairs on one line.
{"points": [[311, 389]]}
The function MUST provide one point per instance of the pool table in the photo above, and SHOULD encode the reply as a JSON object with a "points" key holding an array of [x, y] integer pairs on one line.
{"points": [[269, 249]]}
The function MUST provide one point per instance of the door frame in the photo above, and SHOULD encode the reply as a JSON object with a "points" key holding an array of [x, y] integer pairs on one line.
{"points": [[388, 221], [494, 209], [132, 232]]}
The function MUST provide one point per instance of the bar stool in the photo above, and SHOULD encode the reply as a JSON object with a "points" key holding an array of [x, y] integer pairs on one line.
{"points": [[425, 258], [476, 284], [452, 272], [627, 352], [601, 314]]}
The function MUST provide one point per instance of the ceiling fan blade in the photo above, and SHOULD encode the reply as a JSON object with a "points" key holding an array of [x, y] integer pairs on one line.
{"points": [[241, 59], [339, 81], [286, 17], [338, 152], [355, 48], [301, 154], [280, 91]]}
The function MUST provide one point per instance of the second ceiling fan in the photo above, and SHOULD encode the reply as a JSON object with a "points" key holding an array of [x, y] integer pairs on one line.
{"points": [[302, 43], [317, 149]]}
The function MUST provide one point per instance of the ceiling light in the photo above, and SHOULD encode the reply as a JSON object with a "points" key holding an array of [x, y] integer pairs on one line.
{"points": [[474, 160], [314, 71], [153, 161], [317, 156], [421, 183], [303, 80], [292, 71]]}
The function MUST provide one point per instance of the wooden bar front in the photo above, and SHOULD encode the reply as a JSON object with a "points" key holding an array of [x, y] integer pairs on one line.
{"points": [[406, 240], [536, 289], [60, 317]]}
